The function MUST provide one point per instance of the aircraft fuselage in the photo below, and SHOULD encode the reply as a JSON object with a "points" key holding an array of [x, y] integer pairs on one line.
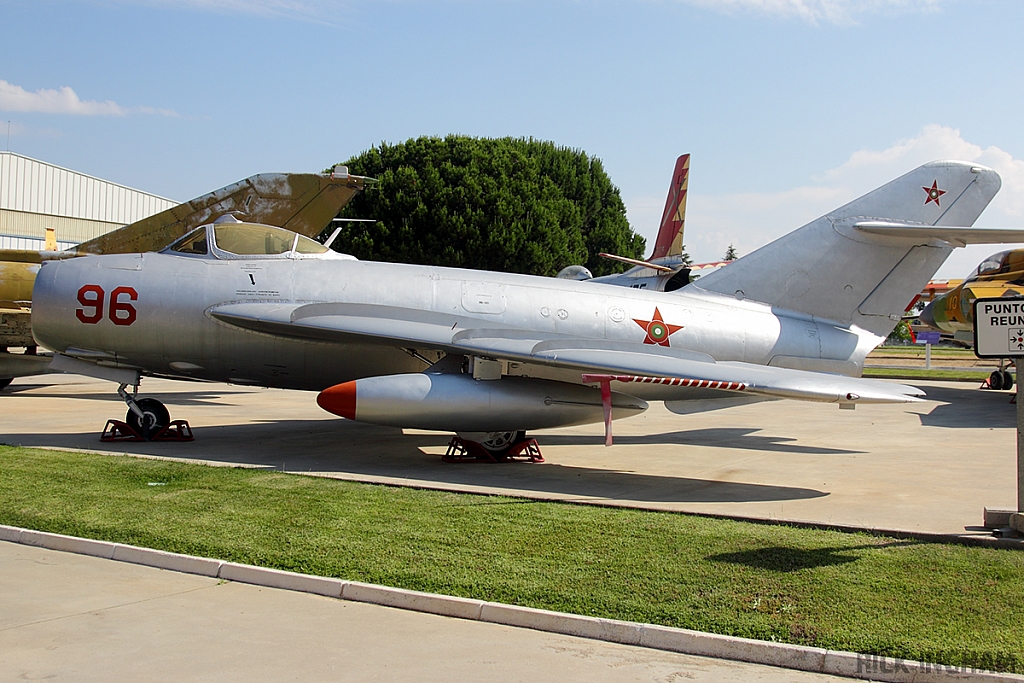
{"points": [[152, 312]]}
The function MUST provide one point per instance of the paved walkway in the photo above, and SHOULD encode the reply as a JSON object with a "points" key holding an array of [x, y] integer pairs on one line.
{"points": [[77, 618], [930, 466]]}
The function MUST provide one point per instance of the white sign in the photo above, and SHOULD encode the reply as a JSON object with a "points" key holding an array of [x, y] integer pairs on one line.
{"points": [[999, 328]]}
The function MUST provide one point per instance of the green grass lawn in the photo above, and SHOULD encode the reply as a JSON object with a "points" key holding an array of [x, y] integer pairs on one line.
{"points": [[944, 603]]}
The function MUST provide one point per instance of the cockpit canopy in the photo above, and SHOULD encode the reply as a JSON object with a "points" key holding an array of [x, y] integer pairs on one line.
{"points": [[228, 240], [998, 264]]}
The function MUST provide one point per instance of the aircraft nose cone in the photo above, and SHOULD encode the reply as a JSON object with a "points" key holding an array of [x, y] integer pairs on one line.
{"points": [[928, 316], [339, 399]]}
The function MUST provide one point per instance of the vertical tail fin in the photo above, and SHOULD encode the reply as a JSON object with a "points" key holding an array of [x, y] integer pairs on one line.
{"points": [[670, 234], [834, 269]]}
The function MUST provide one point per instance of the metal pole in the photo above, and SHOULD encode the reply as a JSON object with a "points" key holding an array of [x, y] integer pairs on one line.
{"points": [[1020, 437]]}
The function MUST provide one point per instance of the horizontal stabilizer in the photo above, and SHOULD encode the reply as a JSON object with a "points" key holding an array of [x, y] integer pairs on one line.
{"points": [[956, 235], [636, 262]]}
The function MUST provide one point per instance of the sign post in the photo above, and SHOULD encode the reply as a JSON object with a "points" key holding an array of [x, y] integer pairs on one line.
{"points": [[999, 333], [928, 338]]}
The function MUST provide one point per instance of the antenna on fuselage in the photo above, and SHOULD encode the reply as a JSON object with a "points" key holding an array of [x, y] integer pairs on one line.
{"points": [[337, 230]]}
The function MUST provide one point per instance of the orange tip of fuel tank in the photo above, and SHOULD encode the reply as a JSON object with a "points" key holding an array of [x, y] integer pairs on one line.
{"points": [[339, 399]]}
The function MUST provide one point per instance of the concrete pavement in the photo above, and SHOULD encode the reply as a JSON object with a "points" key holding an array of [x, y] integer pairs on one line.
{"points": [[73, 617]]}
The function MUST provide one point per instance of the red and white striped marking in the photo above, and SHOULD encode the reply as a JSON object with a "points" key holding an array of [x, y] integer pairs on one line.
{"points": [[606, 390], [670, 381]]}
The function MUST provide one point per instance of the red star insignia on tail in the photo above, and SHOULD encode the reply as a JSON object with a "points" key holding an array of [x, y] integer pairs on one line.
{"points": [[658, 331], [933, 193]]}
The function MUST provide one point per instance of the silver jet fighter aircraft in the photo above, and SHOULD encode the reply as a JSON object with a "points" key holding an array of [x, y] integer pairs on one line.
{"points": [[490, 355]]}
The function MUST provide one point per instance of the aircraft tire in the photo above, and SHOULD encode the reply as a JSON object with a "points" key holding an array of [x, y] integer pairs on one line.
{"points": [[1007, 380], [995, 380], [5, 382], [155, 417], [500, 443]]}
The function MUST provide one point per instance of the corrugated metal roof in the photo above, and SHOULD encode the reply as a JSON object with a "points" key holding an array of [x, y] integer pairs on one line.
{"points": [[34, 186]]}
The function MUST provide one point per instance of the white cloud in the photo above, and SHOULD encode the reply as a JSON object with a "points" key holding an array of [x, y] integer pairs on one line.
{"points": [[815, 11], [64, 101], [751, 219]]}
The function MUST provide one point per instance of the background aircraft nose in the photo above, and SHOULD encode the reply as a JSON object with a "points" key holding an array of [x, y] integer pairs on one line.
{"points": [[928, 316]]}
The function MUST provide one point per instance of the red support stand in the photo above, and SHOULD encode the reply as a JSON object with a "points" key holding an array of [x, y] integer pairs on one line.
{"points": [[117, 431], [459, 450], [177, 430]]}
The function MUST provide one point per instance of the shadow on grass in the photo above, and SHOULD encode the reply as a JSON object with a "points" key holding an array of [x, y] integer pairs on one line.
{"points": [[783, 559]]}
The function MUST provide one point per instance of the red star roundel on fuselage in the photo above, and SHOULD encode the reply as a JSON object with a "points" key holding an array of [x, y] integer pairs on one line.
{"points": [[933, 193], [658, 331]]}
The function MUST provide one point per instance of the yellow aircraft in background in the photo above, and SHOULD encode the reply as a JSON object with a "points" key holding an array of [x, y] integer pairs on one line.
{"points": [[999, 275]]}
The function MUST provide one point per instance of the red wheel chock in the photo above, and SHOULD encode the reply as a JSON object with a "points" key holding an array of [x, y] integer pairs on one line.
{"points": [[116, 431], [459, 450], [177, 430]]}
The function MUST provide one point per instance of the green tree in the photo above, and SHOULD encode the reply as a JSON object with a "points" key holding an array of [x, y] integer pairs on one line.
{"points": [[505, 204], [730, 254], [900, 334]]}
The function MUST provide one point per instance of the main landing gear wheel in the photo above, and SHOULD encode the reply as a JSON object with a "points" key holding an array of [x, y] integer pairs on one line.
{"points": [[1000, 379], [497, 444], [511, 446], [500, 443], [154, 418]]}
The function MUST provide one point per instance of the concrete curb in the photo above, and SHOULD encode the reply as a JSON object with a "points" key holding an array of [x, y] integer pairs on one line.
{"points": [[276, 578], [684, 641], [444, 605], [69, 544], [187, 564]]}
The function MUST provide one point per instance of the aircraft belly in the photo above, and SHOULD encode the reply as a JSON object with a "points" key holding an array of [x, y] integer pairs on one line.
{"points": [[261, 360]]}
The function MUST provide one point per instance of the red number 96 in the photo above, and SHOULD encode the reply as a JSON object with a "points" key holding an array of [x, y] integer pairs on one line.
{"points": [[120, 312]]}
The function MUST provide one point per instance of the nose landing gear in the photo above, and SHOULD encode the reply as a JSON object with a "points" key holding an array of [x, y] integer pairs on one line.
{"points": [[147, 420]]}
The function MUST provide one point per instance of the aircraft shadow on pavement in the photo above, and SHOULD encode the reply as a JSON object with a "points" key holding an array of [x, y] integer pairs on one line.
{"points": [[348, 448], [723, 437], [173, 399], [969, 406], [784, 559]]}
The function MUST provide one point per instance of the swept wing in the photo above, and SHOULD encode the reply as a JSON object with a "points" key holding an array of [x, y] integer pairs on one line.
{"points": [[465, 335]]}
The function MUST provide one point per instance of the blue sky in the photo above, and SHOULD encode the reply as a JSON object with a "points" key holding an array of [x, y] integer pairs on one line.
{"points": [[789, 107]]}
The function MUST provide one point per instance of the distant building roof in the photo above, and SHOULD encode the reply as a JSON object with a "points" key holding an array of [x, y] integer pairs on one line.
{"points": [[32, 186]]}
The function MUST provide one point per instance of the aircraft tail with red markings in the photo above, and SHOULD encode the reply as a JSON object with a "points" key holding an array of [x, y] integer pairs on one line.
{"points": [[670, 234], [864, 262]]}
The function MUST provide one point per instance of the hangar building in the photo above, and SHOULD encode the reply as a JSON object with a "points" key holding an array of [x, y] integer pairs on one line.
{"points": [[35, 195]]}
